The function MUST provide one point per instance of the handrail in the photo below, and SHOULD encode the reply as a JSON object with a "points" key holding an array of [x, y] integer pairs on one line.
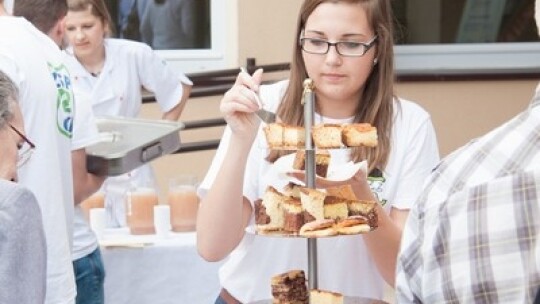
{"points": [[214, 83], [217, 82]]}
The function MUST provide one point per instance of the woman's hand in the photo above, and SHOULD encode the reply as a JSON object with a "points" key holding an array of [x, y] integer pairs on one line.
{"points": [[239, 104]]}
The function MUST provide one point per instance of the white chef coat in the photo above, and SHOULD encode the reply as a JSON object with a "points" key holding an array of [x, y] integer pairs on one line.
{"points": [[116, 91]]}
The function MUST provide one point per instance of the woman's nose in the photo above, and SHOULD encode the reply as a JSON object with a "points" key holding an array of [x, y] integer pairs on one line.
{"points": [[79, 35], [332, 56]]}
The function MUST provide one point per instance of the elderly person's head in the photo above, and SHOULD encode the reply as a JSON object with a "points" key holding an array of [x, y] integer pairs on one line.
{"points": [[12, 137]]}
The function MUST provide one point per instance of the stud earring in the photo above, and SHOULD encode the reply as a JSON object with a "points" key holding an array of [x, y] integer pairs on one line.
{"points": [[375, 61]]}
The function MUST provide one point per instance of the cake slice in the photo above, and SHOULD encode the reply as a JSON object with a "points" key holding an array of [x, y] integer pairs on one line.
{"points": [[319, 228], [272, 203], [327, 136], [366, 209], [293, 215], [313, 204], [322, 161], [359, 134], [317, 296], [290, 288], [344, 191], [292, 190], [294, 136], [353, 225], [335, 208], [274, 135], [261, 217]]}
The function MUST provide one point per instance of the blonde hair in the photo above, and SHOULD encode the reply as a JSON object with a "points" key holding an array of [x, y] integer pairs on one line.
{"points": [[376, 106]]}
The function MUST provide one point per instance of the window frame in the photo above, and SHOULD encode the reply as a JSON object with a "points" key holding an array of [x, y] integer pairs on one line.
{"points": [[197, 60], [468, 59]]}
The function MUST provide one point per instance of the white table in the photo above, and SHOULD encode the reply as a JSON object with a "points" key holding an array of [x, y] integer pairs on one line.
{"points": [[157, 270]]}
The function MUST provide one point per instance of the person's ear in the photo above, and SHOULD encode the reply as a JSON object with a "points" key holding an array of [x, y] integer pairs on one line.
{"points": [[57, 32]]}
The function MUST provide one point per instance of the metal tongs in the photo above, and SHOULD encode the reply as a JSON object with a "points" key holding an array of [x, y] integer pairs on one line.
{"points": [[264, 115]]}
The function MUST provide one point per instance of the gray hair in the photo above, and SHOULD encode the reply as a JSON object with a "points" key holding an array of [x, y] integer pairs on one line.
{"points": [[8, 97]]}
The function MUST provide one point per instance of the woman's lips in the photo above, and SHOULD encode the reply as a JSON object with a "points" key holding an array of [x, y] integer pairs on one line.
{"points": [[332, 77]]}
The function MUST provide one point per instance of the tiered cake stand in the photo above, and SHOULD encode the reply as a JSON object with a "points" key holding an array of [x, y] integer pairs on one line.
{"points": [[308, 101]]}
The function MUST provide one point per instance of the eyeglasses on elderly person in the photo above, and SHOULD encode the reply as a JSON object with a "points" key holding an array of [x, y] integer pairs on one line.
{"points": [[25, 149]]}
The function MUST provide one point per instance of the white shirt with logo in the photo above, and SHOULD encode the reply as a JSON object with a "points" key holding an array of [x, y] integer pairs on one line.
{"points": [[34, 63]]}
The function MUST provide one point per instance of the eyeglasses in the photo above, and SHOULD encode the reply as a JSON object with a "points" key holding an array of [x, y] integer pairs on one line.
{"points": [[344, 48], [25, 150]]}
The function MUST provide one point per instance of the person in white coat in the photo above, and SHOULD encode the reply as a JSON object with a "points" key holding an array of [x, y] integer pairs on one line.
{"points": [[111, 74]]}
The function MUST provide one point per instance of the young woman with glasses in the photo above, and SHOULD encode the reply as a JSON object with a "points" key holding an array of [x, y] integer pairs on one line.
{"points": [[346, 48]]}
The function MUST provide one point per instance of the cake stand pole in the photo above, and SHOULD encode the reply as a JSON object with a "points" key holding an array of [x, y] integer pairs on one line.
{"points": [[309, 112]]}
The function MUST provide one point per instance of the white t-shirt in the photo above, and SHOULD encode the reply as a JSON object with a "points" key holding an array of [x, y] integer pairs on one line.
{"points": [[344, 264], [85, 132], [129, 66], [34, 63]]}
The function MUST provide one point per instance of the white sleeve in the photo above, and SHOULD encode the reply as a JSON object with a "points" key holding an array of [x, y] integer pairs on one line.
{"points": [[85, 131], [421, 155], [10, 68], [157, 77]]}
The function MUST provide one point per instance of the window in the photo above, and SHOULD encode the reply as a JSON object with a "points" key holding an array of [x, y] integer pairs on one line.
{"points": [[466, 36], [187, 33]]}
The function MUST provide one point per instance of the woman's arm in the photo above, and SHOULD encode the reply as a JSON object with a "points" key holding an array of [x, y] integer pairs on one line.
{"points": [[225, 212], [84, 183], [174, 113]]}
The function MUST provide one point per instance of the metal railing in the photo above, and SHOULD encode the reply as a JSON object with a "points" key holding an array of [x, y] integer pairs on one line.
{"points": [[214, 83]]}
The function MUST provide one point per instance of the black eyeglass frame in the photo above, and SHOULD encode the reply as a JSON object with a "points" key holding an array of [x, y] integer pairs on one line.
{"points": [[367, 46], [28, 141]]}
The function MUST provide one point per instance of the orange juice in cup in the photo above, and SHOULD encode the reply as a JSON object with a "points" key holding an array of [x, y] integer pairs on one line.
{"points": [[140, 204], [184, 203]]}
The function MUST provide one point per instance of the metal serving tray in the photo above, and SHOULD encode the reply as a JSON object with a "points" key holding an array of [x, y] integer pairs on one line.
{"points": [[127, 143]]}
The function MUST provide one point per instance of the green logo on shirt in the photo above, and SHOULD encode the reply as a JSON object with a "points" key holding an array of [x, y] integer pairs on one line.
{"points": [[64, 100]]}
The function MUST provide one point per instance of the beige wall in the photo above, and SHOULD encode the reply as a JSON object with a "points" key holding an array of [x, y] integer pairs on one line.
{"points": [[266, 30], [460, 110]]}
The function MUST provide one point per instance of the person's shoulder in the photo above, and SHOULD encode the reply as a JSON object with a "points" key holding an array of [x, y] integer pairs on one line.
{"points": [[126, 45], [407, 108], [20, 32], [11, 191]]}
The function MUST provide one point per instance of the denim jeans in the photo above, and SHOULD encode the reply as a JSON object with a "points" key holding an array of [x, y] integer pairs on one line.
{"points": [[219, 300], [89, 276]]}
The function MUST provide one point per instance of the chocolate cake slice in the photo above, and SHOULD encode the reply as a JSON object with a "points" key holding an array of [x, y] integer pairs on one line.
{"points": [[290, 288]]}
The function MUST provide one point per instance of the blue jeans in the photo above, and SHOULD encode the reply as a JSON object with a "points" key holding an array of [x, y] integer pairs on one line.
{"points": [[89, 276]]}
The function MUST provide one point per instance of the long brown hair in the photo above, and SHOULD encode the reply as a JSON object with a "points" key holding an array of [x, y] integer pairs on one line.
{"points": [[97, 8], [376, 106]]}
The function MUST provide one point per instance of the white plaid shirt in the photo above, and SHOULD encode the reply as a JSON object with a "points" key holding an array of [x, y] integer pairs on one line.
{"points": [[474, 236]]}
